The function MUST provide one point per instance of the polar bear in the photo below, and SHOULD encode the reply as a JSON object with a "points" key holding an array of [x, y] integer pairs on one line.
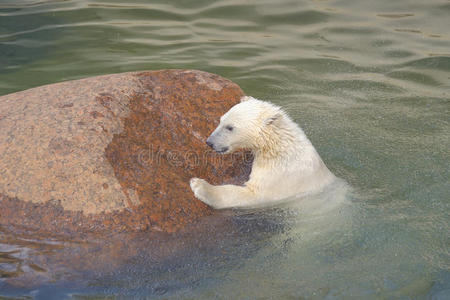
{"points": [[285, 163]]}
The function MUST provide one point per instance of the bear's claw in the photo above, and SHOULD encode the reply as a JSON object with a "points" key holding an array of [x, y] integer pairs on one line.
{"points": [[199, 187]]}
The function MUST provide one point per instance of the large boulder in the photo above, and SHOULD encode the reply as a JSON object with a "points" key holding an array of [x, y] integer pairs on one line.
{"points": [[113, 152]]}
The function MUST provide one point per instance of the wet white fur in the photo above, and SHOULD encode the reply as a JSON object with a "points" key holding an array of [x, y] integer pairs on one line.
{"points": [[285, 163]]}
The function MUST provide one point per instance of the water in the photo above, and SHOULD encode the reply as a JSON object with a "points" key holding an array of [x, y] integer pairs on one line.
{"points": [[369, 81]]}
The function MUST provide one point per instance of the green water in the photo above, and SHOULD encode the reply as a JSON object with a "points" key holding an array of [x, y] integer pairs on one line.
{"points": [[369, 81]]}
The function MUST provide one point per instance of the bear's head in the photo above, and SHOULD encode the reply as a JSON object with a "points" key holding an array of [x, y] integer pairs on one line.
{"points": [[245, 125]]}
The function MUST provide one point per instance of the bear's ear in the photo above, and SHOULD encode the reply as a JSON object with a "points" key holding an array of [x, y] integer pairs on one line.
{"points": [[272, 119], [245, 98]]}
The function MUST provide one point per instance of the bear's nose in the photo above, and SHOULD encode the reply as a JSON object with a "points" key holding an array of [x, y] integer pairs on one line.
{"points": [[209, 144]]}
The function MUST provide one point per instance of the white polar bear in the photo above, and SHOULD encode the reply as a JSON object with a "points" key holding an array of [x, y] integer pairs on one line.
{"points": [[285, 162]]}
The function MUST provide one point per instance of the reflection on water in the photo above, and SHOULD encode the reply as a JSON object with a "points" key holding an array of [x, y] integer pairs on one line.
{"points": [[158, 264], [369, 81]]}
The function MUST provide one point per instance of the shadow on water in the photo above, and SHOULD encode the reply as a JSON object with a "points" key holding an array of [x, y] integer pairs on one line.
{"points": [[130, 264]]}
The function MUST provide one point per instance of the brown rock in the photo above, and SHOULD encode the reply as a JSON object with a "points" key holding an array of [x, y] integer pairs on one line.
{"points": [[113, 152]]}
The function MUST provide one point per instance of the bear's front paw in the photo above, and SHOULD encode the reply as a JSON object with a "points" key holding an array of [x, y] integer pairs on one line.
{"points": [[200, 189]]}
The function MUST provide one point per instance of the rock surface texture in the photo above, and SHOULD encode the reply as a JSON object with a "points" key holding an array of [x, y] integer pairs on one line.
{"points": [[113, 152]]}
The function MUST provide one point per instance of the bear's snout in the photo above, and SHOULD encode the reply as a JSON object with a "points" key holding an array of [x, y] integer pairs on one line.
{"points": [[216, 147]]}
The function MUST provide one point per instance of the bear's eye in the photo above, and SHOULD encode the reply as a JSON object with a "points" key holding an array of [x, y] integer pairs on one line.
{"points": [[229, 128]]}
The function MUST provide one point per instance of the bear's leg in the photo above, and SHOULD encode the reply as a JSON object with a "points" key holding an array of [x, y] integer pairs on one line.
{"points": [[221, 196]]}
